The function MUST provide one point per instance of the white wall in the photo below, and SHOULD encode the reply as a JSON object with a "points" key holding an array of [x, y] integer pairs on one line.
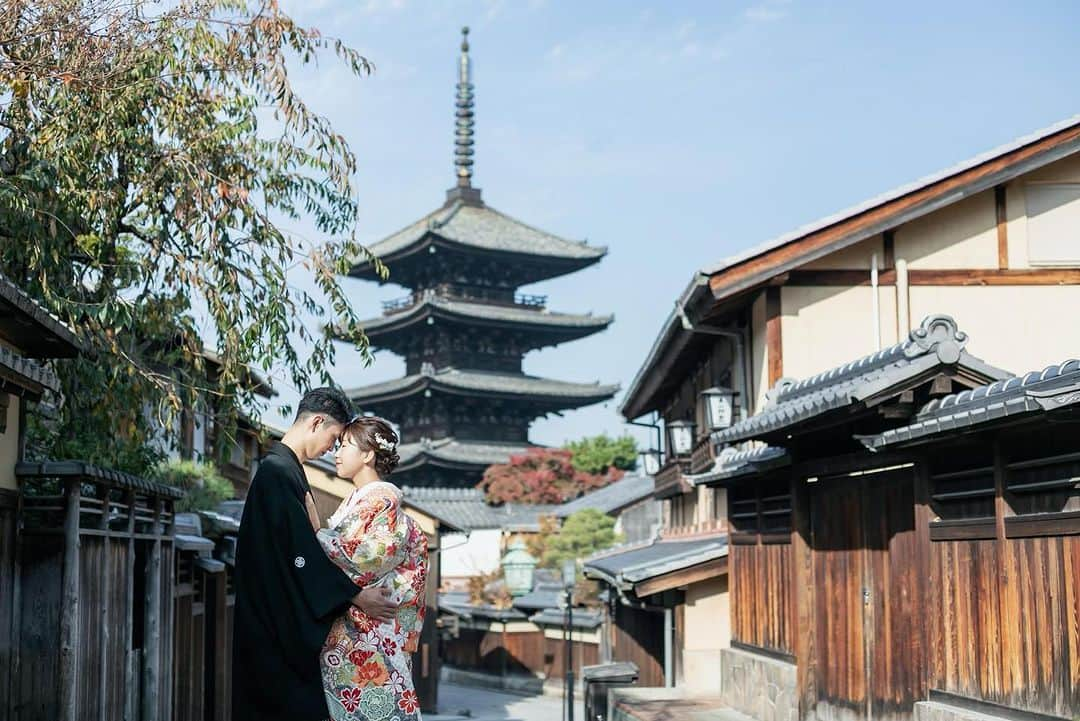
{"points": [[478, 553]]}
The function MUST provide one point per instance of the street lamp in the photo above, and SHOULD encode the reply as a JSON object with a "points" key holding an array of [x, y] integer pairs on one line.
{"points": [[569, 572], [518, 566], [719, 407], [680, 437], [650, 461]]}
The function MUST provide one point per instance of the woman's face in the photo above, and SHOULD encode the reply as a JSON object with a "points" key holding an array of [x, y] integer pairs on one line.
{"points": [[350, 458]]}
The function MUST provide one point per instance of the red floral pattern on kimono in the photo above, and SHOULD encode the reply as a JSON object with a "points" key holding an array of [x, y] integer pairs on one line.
{"points": [[367, 665]]}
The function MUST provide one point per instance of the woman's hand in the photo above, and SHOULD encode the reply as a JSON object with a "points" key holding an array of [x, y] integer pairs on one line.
{"points": [[312, 512]]}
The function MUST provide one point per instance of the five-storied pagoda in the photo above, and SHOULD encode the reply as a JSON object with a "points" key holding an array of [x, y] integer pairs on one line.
{"points": [[464, 402]]}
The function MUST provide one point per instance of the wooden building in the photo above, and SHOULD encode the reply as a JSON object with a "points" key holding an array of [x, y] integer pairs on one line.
{"points": [[464, 328], [988, 241], [936, 577]]}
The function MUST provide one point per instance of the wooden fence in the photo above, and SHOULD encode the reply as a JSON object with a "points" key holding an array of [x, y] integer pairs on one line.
{"points": [[91, 596]]}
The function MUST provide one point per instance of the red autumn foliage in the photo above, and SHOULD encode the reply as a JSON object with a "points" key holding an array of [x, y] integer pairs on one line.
{"points": [[541, 475]]}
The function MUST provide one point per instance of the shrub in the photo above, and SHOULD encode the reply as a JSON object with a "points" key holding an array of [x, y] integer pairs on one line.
{"points": [[203, 486]]}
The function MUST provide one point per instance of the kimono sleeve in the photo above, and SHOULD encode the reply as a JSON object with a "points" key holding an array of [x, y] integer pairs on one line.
{"points": [[324, 587], [410, 585], [367, 543]]}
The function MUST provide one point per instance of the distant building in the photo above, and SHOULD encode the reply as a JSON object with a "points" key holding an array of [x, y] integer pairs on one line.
{"points": [[464, 328]]}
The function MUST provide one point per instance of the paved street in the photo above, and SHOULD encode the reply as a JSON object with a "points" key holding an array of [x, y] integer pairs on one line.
{"points": [[480, 704]]}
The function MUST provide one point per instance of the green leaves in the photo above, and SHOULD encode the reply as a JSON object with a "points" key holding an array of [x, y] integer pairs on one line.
{"points": [[142, 202], [598, 454]]}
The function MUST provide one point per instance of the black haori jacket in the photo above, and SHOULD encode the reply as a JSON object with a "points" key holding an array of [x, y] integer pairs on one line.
{"points": [[288, 594]]}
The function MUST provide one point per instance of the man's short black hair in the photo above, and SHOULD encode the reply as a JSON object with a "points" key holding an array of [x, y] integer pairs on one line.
{"points": [[327, 401]]}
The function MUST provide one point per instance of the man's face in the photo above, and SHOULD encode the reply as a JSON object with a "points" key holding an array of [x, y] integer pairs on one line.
{"points": [[325, 431]]}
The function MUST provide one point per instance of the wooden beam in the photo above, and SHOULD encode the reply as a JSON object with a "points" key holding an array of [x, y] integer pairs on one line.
{"points": [[950, 277], [892, 213], [773, 334], [683, 577], [1002, 227], [888, 245]]}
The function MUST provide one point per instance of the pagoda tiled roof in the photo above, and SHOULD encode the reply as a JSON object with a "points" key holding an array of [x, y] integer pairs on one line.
{"points": [[515, 314], [484, 383], [458, 452], [484, 228], [468, 509]]}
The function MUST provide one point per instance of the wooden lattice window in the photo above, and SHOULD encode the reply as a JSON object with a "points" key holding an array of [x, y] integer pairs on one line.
{"points": [[761, 511]]}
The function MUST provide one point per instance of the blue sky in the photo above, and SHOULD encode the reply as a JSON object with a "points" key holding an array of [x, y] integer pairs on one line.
{"points": [[674, 133]]}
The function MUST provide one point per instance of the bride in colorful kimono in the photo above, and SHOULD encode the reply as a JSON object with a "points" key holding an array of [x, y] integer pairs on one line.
{"points": [[367, 665]]}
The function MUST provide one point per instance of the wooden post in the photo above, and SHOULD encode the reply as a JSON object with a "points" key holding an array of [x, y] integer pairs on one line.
{"points": [[16, 612], [69, 604], [105, 622], [151, 686], [130, 679], [169, 626], [773, 336], [803, 608], [929, 635]]}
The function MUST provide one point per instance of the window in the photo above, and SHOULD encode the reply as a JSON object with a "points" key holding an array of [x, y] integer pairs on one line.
{"points": [[1053, 223]]}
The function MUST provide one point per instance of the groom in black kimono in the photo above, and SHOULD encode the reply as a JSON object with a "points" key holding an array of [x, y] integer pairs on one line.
{"points": [[288, 592]]}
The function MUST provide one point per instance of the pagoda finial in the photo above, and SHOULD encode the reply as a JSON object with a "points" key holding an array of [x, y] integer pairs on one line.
{"points": [[463, 136]]}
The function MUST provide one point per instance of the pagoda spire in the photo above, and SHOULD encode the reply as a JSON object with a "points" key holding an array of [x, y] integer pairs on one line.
{"points": [[463, 130]]}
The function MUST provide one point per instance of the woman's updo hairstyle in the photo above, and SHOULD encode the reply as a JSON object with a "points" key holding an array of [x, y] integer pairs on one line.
{"points": [[372, 433]]}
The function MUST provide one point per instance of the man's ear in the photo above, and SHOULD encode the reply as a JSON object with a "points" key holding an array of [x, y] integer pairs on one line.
{"points": [[315, 421]]}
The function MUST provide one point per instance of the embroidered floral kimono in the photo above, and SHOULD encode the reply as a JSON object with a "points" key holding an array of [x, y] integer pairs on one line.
{"points": [[367, 665]]}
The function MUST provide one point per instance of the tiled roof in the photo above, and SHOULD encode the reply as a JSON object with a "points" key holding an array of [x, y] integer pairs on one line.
{"points": [[485, 228], [27, 372], [581, 617], [454, 451], [732, 463], [457, 603], [467, 509], [79, 469], [1056, 386], [543, 595], [484, 382], [65, 344], [488, 311], [935, 345], [624, 492], [624, 567]]}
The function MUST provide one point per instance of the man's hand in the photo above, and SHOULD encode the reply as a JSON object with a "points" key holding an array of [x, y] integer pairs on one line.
{"points": [[313, 514], [376, 603]]}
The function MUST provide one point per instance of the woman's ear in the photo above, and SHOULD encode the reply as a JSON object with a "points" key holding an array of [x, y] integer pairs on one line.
{"points": [[369, 458]]}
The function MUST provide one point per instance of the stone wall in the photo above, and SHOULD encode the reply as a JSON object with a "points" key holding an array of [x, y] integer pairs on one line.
{"points": [[759, 686], [934, 711]]}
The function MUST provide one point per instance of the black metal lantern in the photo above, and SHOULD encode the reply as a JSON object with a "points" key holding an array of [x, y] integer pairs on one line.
{"points": [[680, 437], [719, 407]]}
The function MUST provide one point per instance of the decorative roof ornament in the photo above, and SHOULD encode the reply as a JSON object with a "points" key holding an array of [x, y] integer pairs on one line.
{"points": [[463, 136], [463, 193]]}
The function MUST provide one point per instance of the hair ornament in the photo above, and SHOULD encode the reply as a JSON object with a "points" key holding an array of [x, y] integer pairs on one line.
{"points": [[383, 443]]}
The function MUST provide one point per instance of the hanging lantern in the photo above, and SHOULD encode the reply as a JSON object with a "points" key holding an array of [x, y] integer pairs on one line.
{"points": [[680, 437], [650, 461], [518, 566], [719, 407]]}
